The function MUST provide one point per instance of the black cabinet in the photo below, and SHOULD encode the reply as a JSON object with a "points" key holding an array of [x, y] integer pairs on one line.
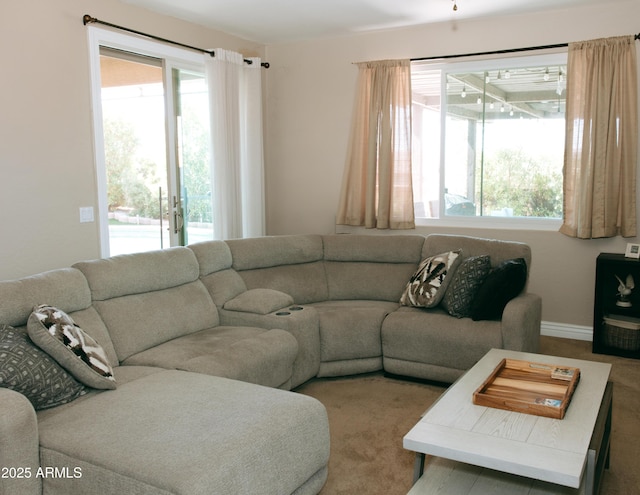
{"points": [[616, 316]]}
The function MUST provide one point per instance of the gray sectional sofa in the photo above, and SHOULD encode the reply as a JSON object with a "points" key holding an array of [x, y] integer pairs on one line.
{"points": [[206, 343]]}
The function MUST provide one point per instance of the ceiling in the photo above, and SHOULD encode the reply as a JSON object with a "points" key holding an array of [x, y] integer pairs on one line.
{"points": [[281, 21]]}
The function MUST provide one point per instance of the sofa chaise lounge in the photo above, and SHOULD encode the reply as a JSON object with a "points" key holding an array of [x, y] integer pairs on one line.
{"points": [[205, 343]]}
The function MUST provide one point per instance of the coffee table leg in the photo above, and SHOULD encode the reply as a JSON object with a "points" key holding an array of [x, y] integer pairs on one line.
{"points": [[418, 467], [598, 455]]}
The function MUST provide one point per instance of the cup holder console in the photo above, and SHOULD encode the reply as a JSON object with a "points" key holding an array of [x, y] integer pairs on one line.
{"points": [[288, 311]]}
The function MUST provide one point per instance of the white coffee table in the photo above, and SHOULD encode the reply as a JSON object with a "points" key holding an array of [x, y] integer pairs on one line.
{"points": [[551, 450]]}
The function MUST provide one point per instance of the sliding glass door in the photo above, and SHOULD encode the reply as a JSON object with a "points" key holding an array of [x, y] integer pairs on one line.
{"points": [[152, 147], [133, 124], [193, 205]]}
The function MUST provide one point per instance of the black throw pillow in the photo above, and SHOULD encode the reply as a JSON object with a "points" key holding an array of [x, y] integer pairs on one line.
{"points": [[503, 283]]}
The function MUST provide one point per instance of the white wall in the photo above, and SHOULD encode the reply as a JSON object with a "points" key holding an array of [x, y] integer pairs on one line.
{"points": [[310, 96]]}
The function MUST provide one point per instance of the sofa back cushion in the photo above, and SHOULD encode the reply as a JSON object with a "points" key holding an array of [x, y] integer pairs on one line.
{"points": [[65, 288], [146, 299], [498, 250], [140, 272], [291, 264], [212, 256], [271, 251], [374, 267], [216, 271]]}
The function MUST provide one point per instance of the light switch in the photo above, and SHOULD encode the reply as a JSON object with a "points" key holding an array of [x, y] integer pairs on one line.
{"points": [[86, 214]]}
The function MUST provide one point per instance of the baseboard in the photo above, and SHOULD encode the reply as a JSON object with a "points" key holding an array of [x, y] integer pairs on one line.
{"points": [[566, 331]]}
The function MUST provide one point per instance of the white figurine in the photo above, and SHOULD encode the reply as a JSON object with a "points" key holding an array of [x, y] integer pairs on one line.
{"points": [[624, 291]]}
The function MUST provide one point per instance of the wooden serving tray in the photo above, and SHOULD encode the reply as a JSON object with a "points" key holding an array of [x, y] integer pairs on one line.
{"points": [[527, 387]]}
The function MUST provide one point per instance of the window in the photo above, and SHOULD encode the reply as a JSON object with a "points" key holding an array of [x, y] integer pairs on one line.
{"points": [[488, 140]]}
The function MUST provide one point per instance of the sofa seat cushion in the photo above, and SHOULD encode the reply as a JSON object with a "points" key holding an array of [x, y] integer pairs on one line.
{"points": [[123, 374], [433, 337], [189, 434], [351, 329], [250, 354]]}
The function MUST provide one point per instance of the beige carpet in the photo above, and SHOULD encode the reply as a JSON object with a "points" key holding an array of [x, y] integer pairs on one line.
{"points": [[369, 415]]}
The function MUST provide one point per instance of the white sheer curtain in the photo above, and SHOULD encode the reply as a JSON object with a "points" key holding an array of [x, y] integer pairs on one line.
{"points": [[237, 163]]}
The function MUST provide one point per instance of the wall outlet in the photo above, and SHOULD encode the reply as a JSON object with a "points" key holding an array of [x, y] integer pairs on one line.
{"points": [[86, 214]]}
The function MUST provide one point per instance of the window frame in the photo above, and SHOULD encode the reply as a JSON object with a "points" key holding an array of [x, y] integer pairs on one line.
{"points": [[556, 56]]}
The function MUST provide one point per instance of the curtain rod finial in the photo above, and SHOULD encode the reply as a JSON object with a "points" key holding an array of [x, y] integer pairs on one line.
{"points": [[86, 19]]}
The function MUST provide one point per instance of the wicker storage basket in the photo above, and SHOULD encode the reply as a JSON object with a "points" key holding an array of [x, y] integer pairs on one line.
{"points": [[622, 333]]}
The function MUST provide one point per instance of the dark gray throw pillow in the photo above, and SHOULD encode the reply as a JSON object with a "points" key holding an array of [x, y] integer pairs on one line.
{"points": [[33, 373], [465, 284], [503, 283]]}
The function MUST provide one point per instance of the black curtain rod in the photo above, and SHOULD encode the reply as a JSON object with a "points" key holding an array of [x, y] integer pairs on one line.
{"points": [[499, 52], [87, 19]]}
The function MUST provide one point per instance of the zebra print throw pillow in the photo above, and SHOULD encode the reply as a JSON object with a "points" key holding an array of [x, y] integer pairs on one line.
{"points": [[57, 334], [429, 283]]}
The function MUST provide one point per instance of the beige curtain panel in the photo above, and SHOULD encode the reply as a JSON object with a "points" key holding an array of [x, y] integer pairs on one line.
{"points": [[377, 189], [601, 139]]}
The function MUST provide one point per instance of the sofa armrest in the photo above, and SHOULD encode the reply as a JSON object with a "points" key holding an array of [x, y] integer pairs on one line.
{"points": [[301, 321], [259, 301], [520, 325], [19, 445]]}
